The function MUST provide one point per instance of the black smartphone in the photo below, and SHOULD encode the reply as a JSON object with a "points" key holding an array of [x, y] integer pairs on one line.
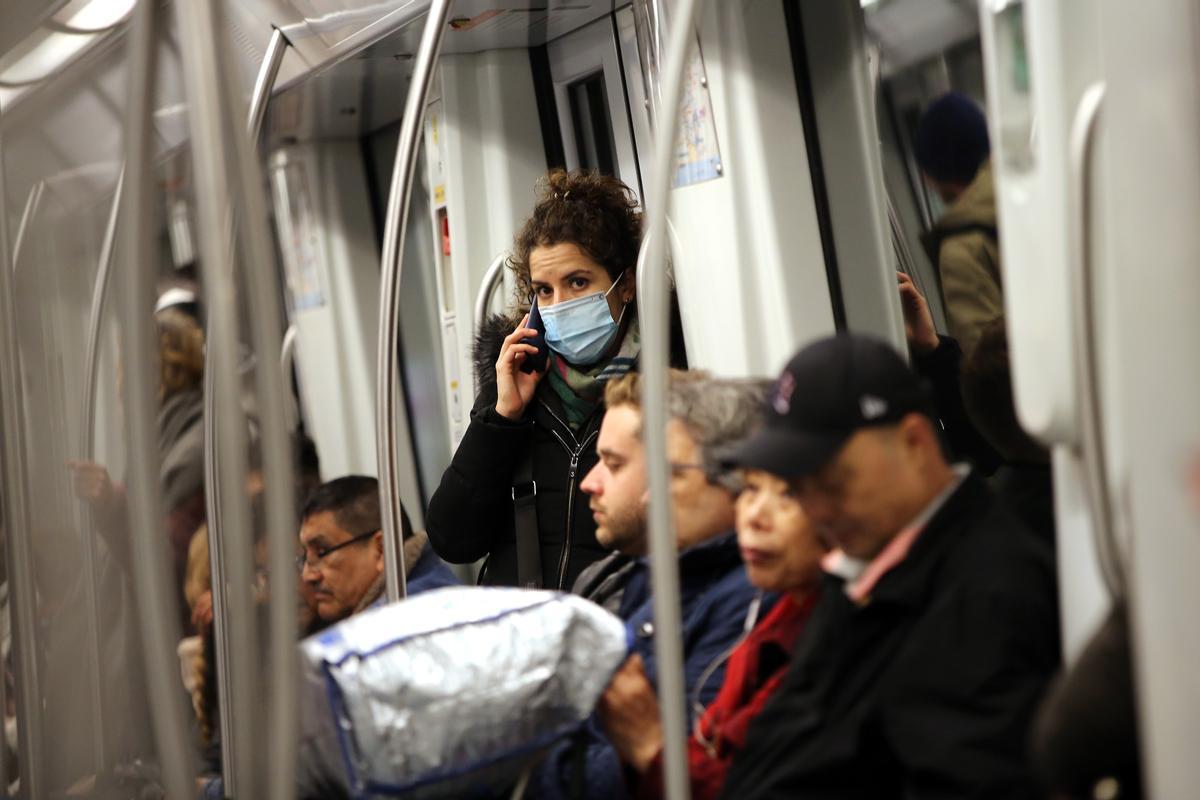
{"points": [[537, 361]]}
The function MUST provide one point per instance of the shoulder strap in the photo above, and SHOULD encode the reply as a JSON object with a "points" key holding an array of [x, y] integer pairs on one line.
{"points": [[525, 526], [934, 239]]}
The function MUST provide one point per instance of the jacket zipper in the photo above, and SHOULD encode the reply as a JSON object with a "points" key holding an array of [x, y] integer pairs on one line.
{"points": [[565, 556]]}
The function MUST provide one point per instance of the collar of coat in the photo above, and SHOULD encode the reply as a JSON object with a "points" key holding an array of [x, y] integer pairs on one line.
{"points": [[911, 581], [413, 549]]}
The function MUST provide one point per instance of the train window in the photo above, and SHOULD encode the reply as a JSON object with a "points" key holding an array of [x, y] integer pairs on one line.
{"points": [[592, 122]]}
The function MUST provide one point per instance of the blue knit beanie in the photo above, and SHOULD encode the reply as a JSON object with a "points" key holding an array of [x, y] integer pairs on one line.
{"points": [[952, 139]]}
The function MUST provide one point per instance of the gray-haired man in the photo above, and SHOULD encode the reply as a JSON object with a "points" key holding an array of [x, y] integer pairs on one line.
{"points": [[706, 414]]}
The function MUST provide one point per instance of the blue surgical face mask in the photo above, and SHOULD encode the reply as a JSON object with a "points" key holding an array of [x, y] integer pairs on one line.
{"points": [[582, 330]]}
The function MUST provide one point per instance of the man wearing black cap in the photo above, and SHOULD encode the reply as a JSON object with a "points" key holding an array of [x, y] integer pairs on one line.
{"points": [[937, 627]]}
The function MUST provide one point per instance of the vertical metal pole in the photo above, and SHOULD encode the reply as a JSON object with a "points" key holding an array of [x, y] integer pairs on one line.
{"points": [[18, 549], [216, 558], [236, 719], [388, 389], [232, 555], [650, 22], [157, 610], [266, 325], [653, 300], [91, 369]]}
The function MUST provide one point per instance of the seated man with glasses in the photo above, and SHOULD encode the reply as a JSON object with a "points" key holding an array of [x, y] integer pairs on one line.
{"points": [[706, 415], [342, 539]]}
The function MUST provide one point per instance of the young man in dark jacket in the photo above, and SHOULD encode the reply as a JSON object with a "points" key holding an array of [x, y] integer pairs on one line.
{"points": [[715, 595], [937, 628]]}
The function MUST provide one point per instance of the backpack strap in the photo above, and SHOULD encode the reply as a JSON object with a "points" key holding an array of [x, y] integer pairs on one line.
{"points": [[934, 239], [525, 526]]}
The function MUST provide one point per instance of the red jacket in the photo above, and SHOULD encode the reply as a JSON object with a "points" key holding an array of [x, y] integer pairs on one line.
{"points": [[753, 674]]}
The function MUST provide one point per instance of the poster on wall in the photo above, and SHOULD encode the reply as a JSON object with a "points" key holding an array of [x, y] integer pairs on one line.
{"points": [[698, 156], [301, 242]]}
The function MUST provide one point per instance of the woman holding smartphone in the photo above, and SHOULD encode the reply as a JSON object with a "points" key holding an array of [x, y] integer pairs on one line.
{"points": [[511, 493]]}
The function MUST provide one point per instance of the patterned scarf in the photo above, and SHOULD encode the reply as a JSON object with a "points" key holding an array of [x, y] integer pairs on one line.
{"points": [[580, 392]]}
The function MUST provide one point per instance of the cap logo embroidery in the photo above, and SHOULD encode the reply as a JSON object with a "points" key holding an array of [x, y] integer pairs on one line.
{"points": [[784, 389], [872, 407]]}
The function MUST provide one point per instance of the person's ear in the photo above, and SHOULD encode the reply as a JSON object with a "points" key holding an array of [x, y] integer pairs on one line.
{"points": [[377, 546], [628, 286], [918, 435]]}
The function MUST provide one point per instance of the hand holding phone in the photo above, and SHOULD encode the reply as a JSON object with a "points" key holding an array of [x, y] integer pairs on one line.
{"points": [[537, 361]]}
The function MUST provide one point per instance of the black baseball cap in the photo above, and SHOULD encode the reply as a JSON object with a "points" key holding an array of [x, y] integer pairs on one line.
{"points": [[827, 392]]}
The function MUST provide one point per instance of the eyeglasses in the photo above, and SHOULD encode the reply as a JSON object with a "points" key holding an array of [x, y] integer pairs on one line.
{"points": [[320, 553]]}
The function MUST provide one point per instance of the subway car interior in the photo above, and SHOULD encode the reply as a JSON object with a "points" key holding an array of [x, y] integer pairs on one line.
{"points": [[249, 248]]}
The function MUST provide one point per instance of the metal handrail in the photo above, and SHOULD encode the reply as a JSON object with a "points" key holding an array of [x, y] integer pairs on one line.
{"points": [[87, 443], [158, 619], [264, 83], [18, 552], [650, 22], [487, 290], [266, 326], [1090, 447], [225, 466], [388, 379], [230, 541], [653, 300]]}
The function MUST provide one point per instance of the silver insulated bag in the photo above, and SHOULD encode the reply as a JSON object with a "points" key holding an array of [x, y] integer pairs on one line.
{"points": [[449, 693]]}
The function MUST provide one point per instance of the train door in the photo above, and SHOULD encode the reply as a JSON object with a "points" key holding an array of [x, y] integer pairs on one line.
{"points": [[594, 114]]}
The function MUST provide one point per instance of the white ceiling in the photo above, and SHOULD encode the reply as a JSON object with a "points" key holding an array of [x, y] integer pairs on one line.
{"points": [[910, 31]]}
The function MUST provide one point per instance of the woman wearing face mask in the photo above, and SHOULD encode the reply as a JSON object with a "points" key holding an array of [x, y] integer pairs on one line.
{"points": [[511, 493]]}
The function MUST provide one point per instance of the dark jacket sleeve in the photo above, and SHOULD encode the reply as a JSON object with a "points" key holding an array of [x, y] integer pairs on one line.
{"points": [[602, 777], [941, 369], [472, 505]]}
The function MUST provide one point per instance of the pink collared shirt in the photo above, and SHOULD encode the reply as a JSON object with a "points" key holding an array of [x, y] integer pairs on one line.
{"points": [[861, 577]]}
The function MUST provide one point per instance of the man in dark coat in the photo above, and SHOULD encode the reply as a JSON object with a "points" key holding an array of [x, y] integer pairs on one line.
{"points": [[706, 414], [937, 628]]}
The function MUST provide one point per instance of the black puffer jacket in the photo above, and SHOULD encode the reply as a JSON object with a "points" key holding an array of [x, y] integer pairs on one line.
{"points": [[471, 513]]}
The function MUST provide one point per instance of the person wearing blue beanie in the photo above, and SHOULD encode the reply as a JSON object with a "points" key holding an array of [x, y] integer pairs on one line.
{"points": [[952, 148], [951, 143]]}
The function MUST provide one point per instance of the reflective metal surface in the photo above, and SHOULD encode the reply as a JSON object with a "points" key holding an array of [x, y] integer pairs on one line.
{"points": [[160, 631], [91, 367], [208, 123], [653, 303], [1091, 446], [389, 405], [451, 689], [18, 549]]}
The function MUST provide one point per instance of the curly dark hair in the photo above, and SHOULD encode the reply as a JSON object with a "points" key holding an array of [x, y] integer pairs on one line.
{"points": [[595, 212]]}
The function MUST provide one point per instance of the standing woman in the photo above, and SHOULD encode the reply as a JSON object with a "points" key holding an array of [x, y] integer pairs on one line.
{"points": [[511, 492]]}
